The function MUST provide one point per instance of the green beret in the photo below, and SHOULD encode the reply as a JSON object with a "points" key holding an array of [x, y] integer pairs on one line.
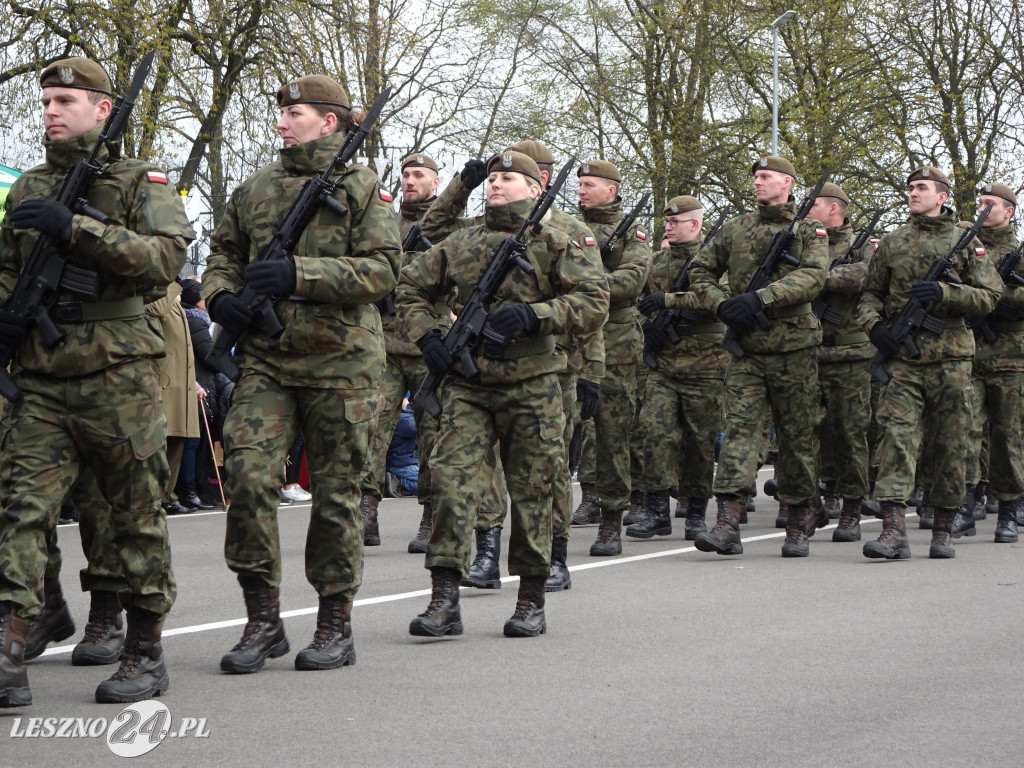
{"points": [[774, 163], [999, 190], [535, 150], [76, 72], [419, 160], [928, 173], [682, 204], [828, 189], [602, 169], [510, 160], [313, 89]]}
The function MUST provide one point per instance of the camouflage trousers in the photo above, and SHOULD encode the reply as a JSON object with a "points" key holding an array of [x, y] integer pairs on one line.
{"points": [[258, 430], [636, 432], [525, 420], [934, 400], [846, 402], [403, 373], [681, 420], [588, 455], [112, 423], [782, 387], [494, 504], [562, 520], [613, 421], [1000, 401]]}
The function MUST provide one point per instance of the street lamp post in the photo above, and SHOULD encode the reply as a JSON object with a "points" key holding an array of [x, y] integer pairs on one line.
{"points": [[775, 77]]}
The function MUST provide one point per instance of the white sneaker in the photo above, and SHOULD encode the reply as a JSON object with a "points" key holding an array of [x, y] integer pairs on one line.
{"points": [[298, 493]]}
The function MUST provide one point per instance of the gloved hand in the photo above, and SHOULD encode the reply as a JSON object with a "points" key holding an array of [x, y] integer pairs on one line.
{"points": [[740, 312], [654, 335], [473, 173], [51, 218], [431, 345], [884, 339], [651, 304], [231, 313], [1004, 311], [589, 394], [926, 290], [271, 278], [514, 318], [13, 328]]}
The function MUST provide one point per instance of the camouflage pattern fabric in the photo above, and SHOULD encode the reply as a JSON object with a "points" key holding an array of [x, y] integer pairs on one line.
{"points": [[493, 508], [562, 498]]}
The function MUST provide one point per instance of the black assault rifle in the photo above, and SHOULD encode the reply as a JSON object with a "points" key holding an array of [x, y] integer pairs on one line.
{"points": [[820, 306], [316, 192], [776, 255], [627, 221], [414, 242], [913, 316], [469, 328], [46, 272], [668, 319], [1007, 269]]}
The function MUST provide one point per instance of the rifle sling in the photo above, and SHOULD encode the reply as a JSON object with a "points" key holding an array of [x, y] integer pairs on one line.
{"points": [[70, 312], [842, 341], [538, 345], [1007, 326]]}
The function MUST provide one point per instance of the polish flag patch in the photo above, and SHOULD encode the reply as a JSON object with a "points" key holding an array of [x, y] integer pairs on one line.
{"points": [[156, 176], [821, 233], [640, 235], [385, 195], [589, 241], [980, 251]]}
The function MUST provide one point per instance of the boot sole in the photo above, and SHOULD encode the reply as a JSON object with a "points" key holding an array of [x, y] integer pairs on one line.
{"points": [[728, 549], [105, 696], [63, 632], [795, 551], [1005, 540], [371, 541], [605, 552], [417, 547], [844, 537], [232, 667], [888, 554], [517, 631], [692, 535], [90, 656], [417, 629], [565, 585], [649, 534], [941, 553], [15, 697], [481, 584], [970, 532], [308, 664]]}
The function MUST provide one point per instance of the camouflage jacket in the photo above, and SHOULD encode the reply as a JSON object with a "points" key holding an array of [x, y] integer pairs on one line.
{"points": [[845, 282], [137, 253], [902, 259], [1006, 353], [626, 270], [568, 291], [343, 264], [395, 340], [699, 353], [738, 249]]}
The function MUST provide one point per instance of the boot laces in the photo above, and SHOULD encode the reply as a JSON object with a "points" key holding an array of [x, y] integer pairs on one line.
{"points": [[99, 628]]}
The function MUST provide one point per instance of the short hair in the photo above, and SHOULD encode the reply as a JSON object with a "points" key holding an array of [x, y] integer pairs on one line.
{"points": [[347, 118]]}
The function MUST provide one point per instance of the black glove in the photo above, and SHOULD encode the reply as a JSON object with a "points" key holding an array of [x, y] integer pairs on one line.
{"points": [[48, 216], [740, 312], [271, 278], [431, 344], [588, 393], [926, 290], [473, 173], [231, 313], [1004, 311], [12, 329], [515, 318], [884, 339], [654, 335], [651, 304]]}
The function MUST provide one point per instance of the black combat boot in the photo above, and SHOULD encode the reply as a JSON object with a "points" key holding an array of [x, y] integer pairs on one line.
{"points": [[681, 508], [849, 522], [782, 518], [589, 510], [748, 506], [831, 499], [54, 623], [1019, 510], [371, 529], [142, 674], [724, 538], [916, 497], [637, 508], [658, 521], [696, 522], [263, 636], [14, 690], [980, 508], [609, 535], [442, 616], [1006, 526], [418, 545], [559, 578], [871, 508], [332, 645], [528, 619], [942, 534], [103, 641], [893, 543], [800, 520], [771, 488], [963, 522], [925, 513], [816, 518], [485, 572]]}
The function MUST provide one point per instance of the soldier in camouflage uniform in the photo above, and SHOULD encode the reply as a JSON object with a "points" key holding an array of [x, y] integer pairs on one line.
{"points": [[777, 377], [517, 400], [404, 370], [842, 374], [931, 394], [92, 401], [322, 374], [998, 380], [682, 410]]}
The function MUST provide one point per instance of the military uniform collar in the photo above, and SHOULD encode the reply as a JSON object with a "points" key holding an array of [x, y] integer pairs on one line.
{"points": [[840, 233], [61, 155], [311, 156], [998, 237], [415, 211], [609, 213], [923, 223], [780, 212], [508, 217], [684, 250]]}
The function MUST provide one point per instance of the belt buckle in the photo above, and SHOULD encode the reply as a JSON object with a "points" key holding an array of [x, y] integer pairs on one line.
{"points": [[69, 312]]}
